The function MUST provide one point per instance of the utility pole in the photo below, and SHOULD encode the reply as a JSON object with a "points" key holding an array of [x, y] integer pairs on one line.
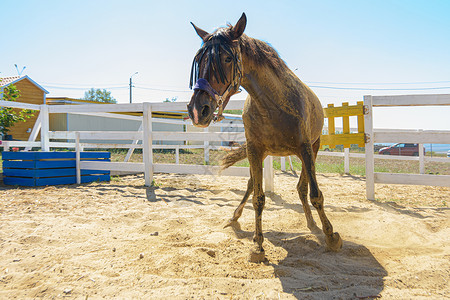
{"points": [[131, 87]]}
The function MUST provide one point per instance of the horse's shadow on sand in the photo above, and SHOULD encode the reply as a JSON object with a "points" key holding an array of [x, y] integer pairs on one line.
{"points": [[310, 271]]}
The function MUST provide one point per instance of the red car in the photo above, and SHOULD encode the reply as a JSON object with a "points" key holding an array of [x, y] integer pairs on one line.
{"points": [[401, 149]]}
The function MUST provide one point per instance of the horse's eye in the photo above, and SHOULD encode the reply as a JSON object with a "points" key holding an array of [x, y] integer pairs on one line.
{"points": [[228, 59]]}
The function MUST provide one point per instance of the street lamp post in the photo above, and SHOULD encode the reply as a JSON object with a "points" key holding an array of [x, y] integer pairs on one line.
{"points": [[131, 87]]}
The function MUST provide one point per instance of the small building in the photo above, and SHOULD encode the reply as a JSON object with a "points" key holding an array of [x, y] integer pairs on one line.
{"points": [[30, 92], [79, 122]]}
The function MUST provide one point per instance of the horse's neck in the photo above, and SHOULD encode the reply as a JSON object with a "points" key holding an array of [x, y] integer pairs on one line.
{"points": [[270, 90], [262, 83], [277, 92], [266, 76]]}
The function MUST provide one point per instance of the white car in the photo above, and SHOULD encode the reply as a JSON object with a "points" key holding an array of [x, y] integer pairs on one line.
{"points": [[448, 153]]}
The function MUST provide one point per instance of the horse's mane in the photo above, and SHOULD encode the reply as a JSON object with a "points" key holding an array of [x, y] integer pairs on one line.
{"points": [[262, 53], [259, 51]]}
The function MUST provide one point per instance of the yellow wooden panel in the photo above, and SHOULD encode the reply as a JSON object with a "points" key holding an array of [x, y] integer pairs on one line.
{"points": [[351, 110], [331, 126], [342, 139], [344, 111], [360, 121]]}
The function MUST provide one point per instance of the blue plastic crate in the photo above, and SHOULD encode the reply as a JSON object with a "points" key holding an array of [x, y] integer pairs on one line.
{"points": [[50, 168]]}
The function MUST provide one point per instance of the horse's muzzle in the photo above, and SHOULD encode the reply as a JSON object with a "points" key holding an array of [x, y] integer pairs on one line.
{"points": [[200, 109]]}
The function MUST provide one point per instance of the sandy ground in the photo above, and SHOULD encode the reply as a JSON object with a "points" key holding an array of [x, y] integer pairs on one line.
{"points": [[122, 240]]}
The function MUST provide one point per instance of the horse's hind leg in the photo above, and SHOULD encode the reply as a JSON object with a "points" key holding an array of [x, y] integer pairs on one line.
{"points": [[302, 188], [240, 208], [333, 240]]}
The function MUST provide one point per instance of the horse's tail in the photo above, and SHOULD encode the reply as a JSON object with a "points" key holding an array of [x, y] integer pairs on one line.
{"points": [[233, 156]]}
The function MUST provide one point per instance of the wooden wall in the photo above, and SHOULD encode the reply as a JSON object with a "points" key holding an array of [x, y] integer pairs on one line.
{"points": [[29, 93]]}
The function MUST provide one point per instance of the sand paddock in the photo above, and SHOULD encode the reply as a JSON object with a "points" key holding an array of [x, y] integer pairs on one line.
{"points": [[120, 239]]}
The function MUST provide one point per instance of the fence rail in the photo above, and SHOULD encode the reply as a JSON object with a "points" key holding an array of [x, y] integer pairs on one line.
{"points": [[412, 136], [395, 136], [410, 100]]}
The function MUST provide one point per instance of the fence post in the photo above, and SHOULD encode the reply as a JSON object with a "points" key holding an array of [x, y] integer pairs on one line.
{"points": [[421, 159], [361, 122], [370, 169], [268, 174], [290, 164], [346, 124], [347, 160], [147, 141], [45, 128], [283, 163], [78, 156], [177, 154], [206, 148]]}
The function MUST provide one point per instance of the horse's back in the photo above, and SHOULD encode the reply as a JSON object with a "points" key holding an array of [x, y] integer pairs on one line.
{"points": [[279, 127]]}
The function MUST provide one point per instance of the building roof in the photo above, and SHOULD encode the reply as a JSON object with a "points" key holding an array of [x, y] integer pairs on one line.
{"points": [[5, 81], [68, 100], [73, 101]]}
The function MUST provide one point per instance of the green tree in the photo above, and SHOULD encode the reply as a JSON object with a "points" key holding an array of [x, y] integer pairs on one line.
{"points": [[171, 100], [99, 95], [9, 116]]}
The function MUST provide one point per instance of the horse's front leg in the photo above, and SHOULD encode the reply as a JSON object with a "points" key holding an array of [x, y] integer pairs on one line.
{"points": [[256, 157], [238, 212]]}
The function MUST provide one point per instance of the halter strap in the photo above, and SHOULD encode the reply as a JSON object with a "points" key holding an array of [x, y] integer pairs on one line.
{"points": [[221, 100]]}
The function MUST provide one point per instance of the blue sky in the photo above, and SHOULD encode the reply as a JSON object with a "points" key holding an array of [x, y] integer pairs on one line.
{"points": [[342, 49]]}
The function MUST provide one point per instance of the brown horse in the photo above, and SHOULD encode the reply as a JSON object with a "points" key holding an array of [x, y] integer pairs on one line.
{"points": [[281, 115]]}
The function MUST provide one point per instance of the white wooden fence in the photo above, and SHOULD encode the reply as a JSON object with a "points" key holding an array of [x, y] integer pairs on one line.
{"points": [[147, 136], [404, 136]]}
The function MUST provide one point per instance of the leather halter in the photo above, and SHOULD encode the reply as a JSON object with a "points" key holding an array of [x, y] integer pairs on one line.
{"points": [[221, 100], [203, 84]]}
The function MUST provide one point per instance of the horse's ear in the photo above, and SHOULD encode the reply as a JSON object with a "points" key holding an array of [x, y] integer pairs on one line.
{"points": [[201, 33], [239, 28]]}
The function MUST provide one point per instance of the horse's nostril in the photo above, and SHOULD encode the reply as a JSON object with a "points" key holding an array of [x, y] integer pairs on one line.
{"points": [[205, 110]]}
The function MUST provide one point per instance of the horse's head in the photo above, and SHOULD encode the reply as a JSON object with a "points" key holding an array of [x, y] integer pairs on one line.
{"points": [[216, 72]]}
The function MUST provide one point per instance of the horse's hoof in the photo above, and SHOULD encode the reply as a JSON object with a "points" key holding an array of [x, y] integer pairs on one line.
{"points": [[228, 223], [231, 223], [334, 242], [257, 256]]}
